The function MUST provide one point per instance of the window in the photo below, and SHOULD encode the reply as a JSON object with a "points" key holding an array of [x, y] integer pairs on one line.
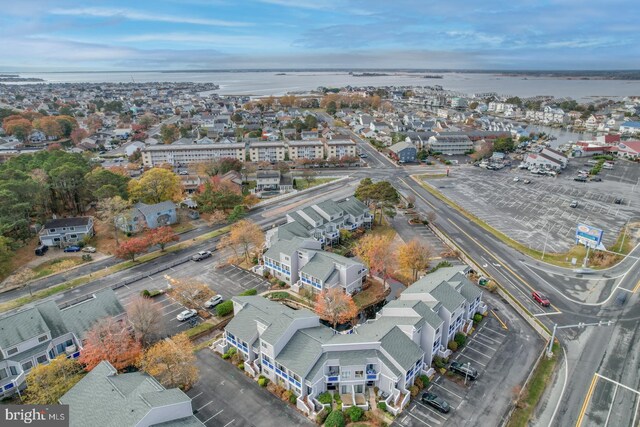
{"points": [[3, 374], [27, 365], [13, 370], [263, 345], [359, 374], [42, 338], [345, 375], [13, 350], [41, 358], [52, 230]]}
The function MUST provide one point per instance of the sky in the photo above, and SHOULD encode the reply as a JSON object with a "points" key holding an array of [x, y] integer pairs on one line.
{"points": [[94, 35]]}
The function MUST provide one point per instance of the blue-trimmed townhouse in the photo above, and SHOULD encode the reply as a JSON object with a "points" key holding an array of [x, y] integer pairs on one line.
{"points": [[38, 334]]}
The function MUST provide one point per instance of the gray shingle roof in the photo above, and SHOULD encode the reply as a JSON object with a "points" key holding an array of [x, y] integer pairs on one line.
{"points": [[301, 352], [401, 348], [103, 398], [21, 326], [67, 222], [353, 206], [80, 318], [396, 148], [448, 296], [330, 207], [149, 210]]}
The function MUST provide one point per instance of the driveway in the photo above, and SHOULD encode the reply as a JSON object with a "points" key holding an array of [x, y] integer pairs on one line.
{"points": [[225, 396]]}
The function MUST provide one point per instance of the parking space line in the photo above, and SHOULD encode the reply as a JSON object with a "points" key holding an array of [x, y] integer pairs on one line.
{"points": [[635, 414], [448, 391], [482, 344], [172, 311], [213, 416], [229, 423], [472, 359], [613, 399], [477, 351], [495, 332], [197, 395], [431, 410], [495, 341], [208, 403], [419, 419], [617, 383]]}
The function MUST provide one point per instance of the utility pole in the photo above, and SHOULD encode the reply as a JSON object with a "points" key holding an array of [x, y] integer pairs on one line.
{"points": [[546, 237], [624, 233], [579, 325]]}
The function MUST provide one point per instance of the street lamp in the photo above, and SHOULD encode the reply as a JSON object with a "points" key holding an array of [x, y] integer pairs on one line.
{"points": [[579, 325], [466, 372], [546, 237]]}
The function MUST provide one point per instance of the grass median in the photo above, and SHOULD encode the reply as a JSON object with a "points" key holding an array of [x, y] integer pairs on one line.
{"points": [[560, 259], [534, 390], [82, 280]]}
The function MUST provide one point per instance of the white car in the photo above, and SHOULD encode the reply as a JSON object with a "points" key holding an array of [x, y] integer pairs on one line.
{"points": [[184, 173], [89, 249], [187, 314], [215, 300], [516, 179], [201, 255]]}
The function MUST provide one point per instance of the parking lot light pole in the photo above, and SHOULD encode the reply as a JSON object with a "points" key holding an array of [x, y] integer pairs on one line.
{"points": [[466, 372], [546, 237], [624, 233], [579, 325]]}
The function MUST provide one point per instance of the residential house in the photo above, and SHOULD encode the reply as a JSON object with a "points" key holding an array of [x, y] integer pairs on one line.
{"points": [[273, 181], [62, 232], [323, 221], [108, 399], [404, 152], [339, 148], [234, 178], [270, 151], [450, 144], [310, 149], [295, 349], [629, 128], [44, 331], [143, 216], [302, 264], [541, 161]]}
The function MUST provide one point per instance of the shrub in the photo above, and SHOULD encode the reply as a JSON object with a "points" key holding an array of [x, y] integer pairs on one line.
{"points": [[355, 414], [266, 275], [248, 292], [293, 399], [224, 308], [336, 397], [325, 398], [282, 284], [440, 362], [145, 294], [425, 381], [286, 395], [414, 390], [226, 356], [262, 381], [335, 419], [477, 318], [418, 383], [453, 346], [322, 415], [241, 366], [232, 351], [460, 339], [382, 406]]}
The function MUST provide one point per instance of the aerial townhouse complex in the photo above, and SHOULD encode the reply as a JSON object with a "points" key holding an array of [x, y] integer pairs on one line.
{"points": [[43, 332], [323, 221], [339, 148], [184, 154], [310, 149], [296, 350]]}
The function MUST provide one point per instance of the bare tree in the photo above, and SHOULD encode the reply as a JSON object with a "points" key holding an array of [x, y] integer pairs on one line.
{"points": [[110, 209], [146, 319], [189, 292]]}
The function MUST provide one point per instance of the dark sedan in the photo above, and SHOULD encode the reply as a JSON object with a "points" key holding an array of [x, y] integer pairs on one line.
{"points": [[437, 402]]}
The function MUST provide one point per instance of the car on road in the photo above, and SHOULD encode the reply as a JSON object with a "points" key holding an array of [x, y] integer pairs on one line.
{"points": [[574, 204], [201, 255], [187, 314], [436, 401], [540, 298], [72, 249], [464, 369], [215, 300], [363, 156], [89, 249]]}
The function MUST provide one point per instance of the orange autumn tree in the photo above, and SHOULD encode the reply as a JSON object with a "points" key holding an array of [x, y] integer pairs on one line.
{"points": [[172, 362], [335, 306], [132, 247], [162, 236], [377, 252], [110, 340], [414, 256]]}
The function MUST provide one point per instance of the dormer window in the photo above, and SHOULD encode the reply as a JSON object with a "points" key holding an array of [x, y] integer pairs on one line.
{"points": [[42, 338], [11, 351]]}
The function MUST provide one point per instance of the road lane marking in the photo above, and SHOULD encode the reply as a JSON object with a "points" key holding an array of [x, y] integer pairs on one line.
{"points": [[637, 287], [635, 414], [613, 399], [587, 398], [546, 314], [617, 383], [504, 325]]}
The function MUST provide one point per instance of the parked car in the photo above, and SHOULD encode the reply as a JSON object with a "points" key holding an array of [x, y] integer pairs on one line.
{"points": [[184, 173], [187, 314], [516, 179], [437, 402], [41, 250], [215, 300], [464, 369], [527, 181], [72, 249], [574, 204], [540, 299], [596, 179], [618, 201], [89, 249], [580, 179], [201, 255]]}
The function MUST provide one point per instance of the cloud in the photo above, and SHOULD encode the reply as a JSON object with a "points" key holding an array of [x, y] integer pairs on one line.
{"points": [[103, 12], [231, 41]]}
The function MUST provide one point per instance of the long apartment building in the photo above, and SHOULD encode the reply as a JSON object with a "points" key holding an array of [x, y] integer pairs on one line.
{"points": [[267, 151], [43, 332], [184, 154], [294, 349], [323, 221], [310, 149], [450, 144], [303, 264], [340, 147]]}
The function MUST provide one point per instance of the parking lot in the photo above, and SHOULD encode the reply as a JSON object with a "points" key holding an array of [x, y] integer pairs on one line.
{"points": [[227, 281], [502, 358], [610, 404], [539, 214], [224, 396]]}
